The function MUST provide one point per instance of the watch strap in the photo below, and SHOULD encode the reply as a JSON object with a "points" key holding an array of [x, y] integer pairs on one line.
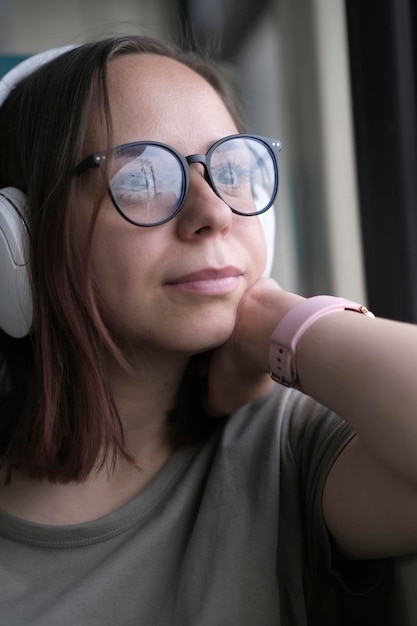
{"points": [[293, 325]]}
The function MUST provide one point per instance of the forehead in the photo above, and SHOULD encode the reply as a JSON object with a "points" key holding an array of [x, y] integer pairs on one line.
{"points": [[155, 97]]}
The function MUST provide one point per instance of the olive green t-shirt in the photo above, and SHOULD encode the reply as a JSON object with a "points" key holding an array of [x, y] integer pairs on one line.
{"points": [[229, 533]]}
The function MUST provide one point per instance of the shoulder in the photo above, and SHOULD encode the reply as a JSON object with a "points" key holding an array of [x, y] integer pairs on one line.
{"points": [[285, 435], [290, 418]]}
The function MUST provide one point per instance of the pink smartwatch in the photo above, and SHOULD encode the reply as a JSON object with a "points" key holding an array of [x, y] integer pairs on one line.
{"points": [[293, 325]]}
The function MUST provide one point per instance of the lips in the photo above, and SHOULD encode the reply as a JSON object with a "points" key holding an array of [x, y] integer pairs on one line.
{"points": [[208, 274], [208, 281]]}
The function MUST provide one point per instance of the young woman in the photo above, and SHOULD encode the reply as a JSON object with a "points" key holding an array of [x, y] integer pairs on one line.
{"points": [[153, 472]]}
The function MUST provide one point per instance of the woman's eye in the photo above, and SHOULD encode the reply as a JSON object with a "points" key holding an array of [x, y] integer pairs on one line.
{"points": [[227, 176], [231, 174]]}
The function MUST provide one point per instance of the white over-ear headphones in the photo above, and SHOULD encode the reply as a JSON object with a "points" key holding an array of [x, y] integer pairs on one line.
{"points": [[16, 310], [16, 307], [268, 225]]}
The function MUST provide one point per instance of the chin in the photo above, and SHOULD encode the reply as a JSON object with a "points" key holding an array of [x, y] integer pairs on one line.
{"points": [[199, 339], [207, 343]]}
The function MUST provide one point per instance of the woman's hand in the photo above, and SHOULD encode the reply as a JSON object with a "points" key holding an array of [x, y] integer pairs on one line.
{"points": [[239, 369]]}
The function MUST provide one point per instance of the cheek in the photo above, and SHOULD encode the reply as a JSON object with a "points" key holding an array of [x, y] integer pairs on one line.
{"points": [[112, 255], [256, 245], [121, 283], [126, 262], [116, 260]]}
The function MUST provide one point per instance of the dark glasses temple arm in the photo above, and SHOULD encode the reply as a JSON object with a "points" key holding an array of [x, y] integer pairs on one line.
{"points": [[91, 161]]}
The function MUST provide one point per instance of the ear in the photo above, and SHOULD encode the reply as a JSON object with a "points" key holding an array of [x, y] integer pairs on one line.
{"points": [[268, 225], [16, 308]]}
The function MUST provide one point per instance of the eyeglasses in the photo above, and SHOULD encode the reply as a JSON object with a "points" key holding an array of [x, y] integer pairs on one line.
{"points": [[148, 181]]}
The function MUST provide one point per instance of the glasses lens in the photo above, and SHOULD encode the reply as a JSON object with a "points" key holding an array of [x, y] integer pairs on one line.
{"points": [[244, 174], [146, 183]]}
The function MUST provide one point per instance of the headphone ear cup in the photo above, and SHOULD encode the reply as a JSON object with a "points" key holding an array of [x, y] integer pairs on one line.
{"points": [[16, 304], [268, 225]]}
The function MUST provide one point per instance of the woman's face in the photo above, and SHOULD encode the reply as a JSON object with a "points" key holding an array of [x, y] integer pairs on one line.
{"points": [[173, 287]]}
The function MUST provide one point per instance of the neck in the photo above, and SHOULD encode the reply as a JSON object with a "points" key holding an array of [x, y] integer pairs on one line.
{"points": [[144, 396]]}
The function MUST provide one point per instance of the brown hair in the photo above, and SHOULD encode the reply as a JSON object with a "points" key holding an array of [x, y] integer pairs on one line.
{"points": [[58, 418]]}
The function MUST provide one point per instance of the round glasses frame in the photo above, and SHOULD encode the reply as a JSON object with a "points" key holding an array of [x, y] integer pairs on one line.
{"points": [[97, 159]]}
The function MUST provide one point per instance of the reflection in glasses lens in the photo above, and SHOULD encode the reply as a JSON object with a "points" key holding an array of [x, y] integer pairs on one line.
{"points": [[148, 182], [243, 174]]}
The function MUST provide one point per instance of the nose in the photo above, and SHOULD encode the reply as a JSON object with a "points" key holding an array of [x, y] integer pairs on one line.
{"points": [[203, 212]]}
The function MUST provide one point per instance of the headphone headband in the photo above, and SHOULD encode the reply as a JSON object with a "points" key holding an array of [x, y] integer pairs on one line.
{"points": [[26, 67]]}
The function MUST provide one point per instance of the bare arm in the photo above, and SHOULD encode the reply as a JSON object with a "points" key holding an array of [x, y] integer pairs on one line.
{"points": [[365, 370]]}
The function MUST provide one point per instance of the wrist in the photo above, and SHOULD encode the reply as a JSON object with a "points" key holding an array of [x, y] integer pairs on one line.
{"points": [[256, 319], [293, 325]]}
